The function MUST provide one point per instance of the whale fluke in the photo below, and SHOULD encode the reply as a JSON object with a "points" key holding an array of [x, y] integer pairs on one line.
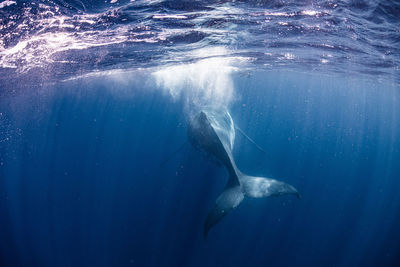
{"points": [[230, 198], [250, 186], [258, 187]]}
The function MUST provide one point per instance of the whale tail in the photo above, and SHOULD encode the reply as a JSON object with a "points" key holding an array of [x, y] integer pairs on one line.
{"points": [[258, 187], [230, 198], [249, 186]]}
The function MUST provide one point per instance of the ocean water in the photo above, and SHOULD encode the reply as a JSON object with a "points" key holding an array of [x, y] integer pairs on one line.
{"points": [[95, 97]]}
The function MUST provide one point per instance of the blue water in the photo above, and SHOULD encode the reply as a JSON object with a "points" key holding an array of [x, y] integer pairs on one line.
{"points": [[95, 98]]}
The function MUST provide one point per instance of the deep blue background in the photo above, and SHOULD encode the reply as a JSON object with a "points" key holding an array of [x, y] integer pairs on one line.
{"points": [[81, 182]]}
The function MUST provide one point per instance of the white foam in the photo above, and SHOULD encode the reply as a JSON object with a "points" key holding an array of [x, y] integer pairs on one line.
{"points": [[164, 16], [206, 82], [7, 3]]}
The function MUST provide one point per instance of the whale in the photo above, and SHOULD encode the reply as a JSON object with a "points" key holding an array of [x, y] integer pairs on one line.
{"points": [[212, 131]]}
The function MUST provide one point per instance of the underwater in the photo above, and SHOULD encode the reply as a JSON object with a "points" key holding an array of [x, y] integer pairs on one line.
{"points": [[199, 133]]}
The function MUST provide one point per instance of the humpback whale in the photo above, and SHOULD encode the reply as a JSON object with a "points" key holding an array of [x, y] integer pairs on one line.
{"points": [[213, 131]]}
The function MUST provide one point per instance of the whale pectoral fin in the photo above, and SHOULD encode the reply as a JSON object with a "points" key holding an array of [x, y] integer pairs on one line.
{"points": [[230, 198]]}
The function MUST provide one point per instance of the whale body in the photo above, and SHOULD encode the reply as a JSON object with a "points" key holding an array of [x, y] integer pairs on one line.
{"points": [[213, 131]]}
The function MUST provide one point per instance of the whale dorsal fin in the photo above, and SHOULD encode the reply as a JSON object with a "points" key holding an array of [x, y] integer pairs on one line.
{"points": [[248, 138], [230, 198]]}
